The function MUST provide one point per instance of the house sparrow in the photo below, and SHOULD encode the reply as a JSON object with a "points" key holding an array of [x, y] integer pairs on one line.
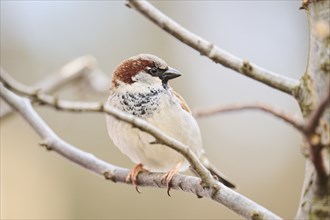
{"points": [[140, 87]]}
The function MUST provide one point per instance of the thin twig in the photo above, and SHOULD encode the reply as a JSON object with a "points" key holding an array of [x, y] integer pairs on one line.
{"points": [[82, 68], [208, 111], [306, 128], [213, 52], [231, 199]]}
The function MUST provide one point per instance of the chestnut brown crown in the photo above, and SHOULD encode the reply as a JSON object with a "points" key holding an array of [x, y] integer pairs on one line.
{"points": [[148, 63]]}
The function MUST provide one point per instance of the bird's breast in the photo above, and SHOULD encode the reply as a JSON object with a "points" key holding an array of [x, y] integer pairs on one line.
{"points": [[161, 109], [141, 104]]}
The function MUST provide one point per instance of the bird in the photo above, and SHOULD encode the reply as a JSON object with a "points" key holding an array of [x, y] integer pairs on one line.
{"points": [[140, 86]]}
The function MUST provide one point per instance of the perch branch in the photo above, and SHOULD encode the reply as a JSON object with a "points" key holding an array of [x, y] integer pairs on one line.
{"points": [[213, 52], [42, 98], [231, 199], [296, 123], [82, 68]]}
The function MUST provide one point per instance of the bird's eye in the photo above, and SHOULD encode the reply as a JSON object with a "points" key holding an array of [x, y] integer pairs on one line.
{"points": [[152, 70]]}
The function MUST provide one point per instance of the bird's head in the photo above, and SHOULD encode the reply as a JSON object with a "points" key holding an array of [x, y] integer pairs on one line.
{"points": [[145, 69]]}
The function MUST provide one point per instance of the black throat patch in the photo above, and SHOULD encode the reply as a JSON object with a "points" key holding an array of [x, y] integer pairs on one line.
{"points": [[140, 104]]}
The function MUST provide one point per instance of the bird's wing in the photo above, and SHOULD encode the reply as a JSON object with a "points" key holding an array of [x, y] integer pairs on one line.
{"points": [[182, 102], [203, 159]]}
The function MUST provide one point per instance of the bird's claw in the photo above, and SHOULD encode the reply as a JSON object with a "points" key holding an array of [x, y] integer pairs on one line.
{"points": [[133, 175], [167, 177]]}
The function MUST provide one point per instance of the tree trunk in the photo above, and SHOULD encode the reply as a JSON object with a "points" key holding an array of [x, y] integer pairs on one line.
{"points": [[315, 199]]}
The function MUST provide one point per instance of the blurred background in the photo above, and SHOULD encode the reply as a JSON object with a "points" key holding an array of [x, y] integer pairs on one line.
{"points": [[261, 154]]}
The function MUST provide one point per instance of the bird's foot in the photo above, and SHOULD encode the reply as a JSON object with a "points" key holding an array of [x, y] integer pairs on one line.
{"points": [[133, 174], [167, 177]]}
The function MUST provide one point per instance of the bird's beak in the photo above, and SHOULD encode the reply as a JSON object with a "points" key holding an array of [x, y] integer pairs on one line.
{"points": [[170, 73]]}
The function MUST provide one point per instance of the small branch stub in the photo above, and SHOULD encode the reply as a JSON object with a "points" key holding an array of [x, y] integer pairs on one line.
{"points": [[108, 176], [246, 68], [46, 143]]}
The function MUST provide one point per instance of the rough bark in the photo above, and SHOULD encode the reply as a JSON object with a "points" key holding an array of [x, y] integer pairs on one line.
{"points": [[315, 199]]}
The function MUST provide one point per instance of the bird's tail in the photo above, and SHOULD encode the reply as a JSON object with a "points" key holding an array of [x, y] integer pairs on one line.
{"points": [[214, 171]]}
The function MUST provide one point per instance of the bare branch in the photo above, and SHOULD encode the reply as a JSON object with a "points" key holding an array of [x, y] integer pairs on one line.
{"points": [[217, 191], [83, 68], [307, 129], [296, 123], [213, 52]]}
